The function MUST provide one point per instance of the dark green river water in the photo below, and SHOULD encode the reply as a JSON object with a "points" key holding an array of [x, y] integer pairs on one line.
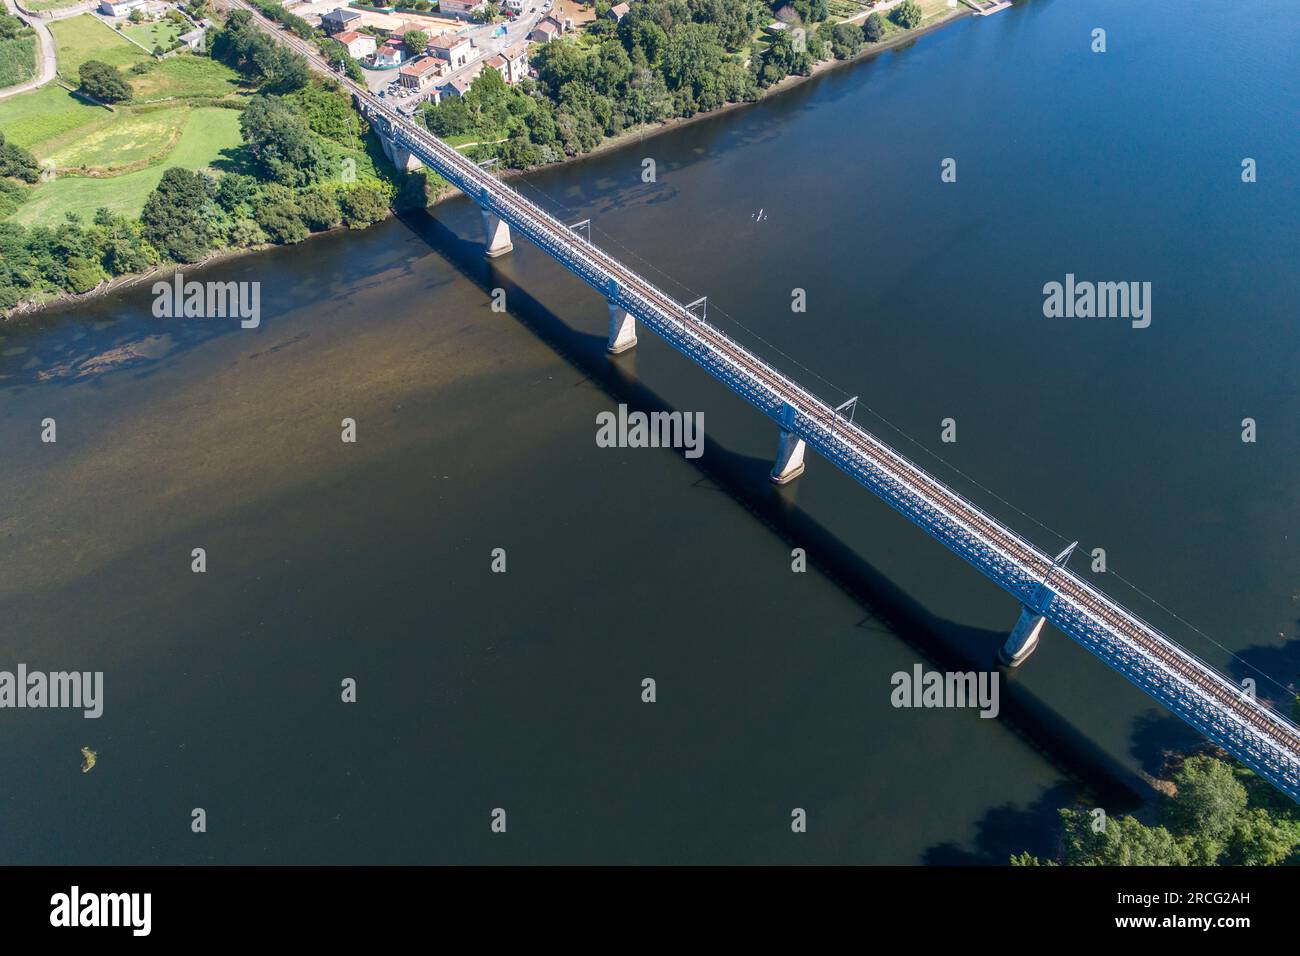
{"points": [[476, 431]]}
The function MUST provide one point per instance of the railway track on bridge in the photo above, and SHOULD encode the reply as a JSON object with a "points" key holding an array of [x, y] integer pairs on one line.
{"points": [[1279, 761]]}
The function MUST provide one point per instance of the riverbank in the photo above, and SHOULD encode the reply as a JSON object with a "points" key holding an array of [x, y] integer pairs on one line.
{"points": [[821, 67], [439, 191]]}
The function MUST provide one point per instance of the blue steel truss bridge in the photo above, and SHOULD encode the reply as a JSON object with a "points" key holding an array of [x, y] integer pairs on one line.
{"points": [[1180, 681]]}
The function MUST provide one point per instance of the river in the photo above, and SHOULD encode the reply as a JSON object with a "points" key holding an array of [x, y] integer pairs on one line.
{"points": [[475, 431]]}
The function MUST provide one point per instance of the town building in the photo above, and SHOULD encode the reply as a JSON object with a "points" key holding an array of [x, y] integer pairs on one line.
{"points": [[545, 31], [120, 8], [458, 85], [516, 56], [338, 20], [196, 39], [391, 54], [455, 50], [618, 11], [461, 9], [498, 63], [422, 73], [358, 44]]}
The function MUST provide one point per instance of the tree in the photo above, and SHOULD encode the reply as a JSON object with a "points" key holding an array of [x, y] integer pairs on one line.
{"points": [[337, 56], [237, 194], [449, 118], [103, 82], [283, 222], [874, 29], [1209, 806], [280, 142], [846, 40], [17, 162], [907, 14], [1124, 842], [1028, 859], [415, 41], [320, 210], [178, 216], [363, 204]]}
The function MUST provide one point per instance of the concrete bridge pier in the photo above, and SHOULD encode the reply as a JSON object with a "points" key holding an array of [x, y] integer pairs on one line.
{"points": [[622, 330], [1023, 639], [400, 156], [497, 232], [789, 453]]}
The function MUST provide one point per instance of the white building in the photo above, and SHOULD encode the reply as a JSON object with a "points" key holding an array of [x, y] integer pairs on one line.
{"points": [[358, 44], [119, 8], [194, 39], [516, 57], [457, 51]]}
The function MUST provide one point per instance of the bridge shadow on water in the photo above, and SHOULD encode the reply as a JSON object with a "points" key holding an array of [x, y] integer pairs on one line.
{"points": [[945, 645]]}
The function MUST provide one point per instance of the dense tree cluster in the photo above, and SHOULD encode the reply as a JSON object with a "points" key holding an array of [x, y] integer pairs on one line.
{"points": [[1221, 814], [665, 59], [250, 51]]}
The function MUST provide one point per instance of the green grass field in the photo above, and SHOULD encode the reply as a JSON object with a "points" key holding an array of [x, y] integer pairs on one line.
{"points": [[44, 115], [133, 138], [207, 136], [82, 38], [162, 33], [17, 60], [184, 74]]}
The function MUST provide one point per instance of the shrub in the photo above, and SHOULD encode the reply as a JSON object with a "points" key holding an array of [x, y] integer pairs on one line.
{"points": [[874, 29], [907, 14]]}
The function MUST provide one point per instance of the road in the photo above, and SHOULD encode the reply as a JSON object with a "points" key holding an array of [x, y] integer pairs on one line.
{"points": [[45, 40]]}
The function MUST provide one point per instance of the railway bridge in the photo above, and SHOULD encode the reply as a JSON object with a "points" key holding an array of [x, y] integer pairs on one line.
{"points": [[1045, 589]]}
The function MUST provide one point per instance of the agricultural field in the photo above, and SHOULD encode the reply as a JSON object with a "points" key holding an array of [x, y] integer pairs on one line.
{"points": [[17, 60], [115, 157], [209, 138], [183, 75], [83, 38], [844, 9], [161, 33], [130, 141], [47, 114]]}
